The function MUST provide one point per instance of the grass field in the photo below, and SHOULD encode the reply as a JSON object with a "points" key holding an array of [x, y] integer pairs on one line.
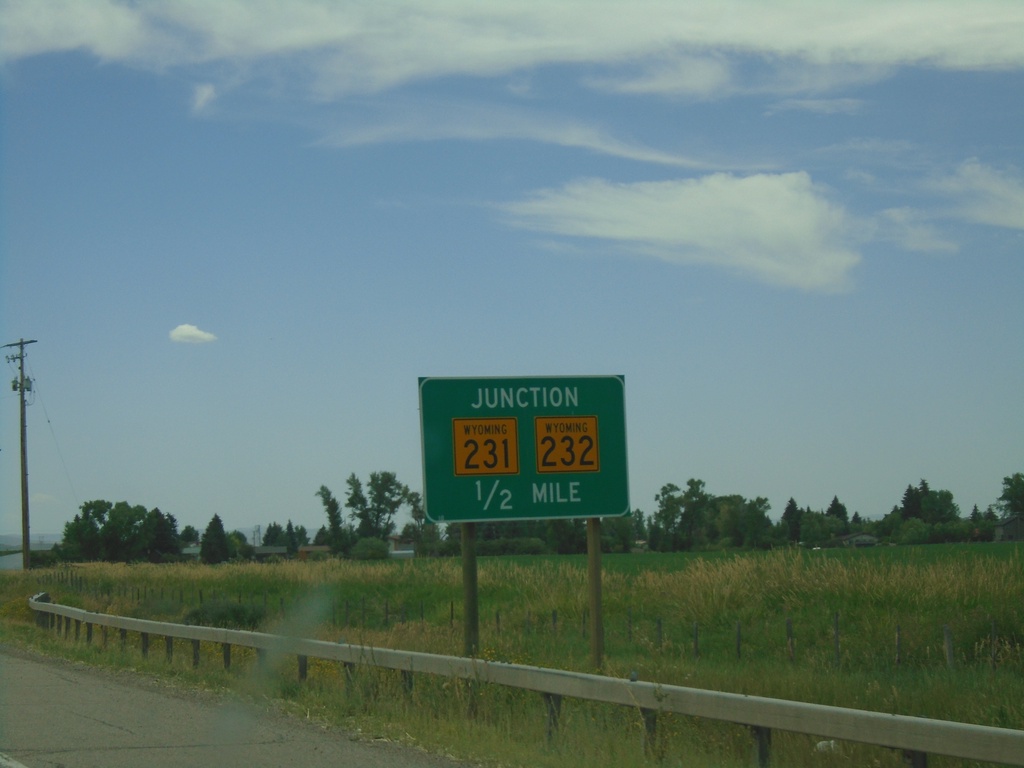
{"points": [[958, 611]]}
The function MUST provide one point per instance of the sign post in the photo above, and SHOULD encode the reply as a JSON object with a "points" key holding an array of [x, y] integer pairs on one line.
{"points": [[525, 448]]}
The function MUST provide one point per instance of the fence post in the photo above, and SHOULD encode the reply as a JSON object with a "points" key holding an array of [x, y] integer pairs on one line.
{"points": [[993, 646], [835, 634], [195, 653], [303, 667], [553, 705], [145, 644], [947, 634], [790, 645], [169, 645], [227, 655]]}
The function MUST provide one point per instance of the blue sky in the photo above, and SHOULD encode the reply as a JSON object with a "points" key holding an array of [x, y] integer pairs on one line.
{"points": [[241, 230]]}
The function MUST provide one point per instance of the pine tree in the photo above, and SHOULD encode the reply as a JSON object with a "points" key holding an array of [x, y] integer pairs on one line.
{"points": [[837, 509], [214, 546]]}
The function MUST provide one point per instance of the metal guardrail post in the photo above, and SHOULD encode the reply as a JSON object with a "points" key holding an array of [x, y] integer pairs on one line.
{"points": [[762, 745], [916, 737], [553, 705]]}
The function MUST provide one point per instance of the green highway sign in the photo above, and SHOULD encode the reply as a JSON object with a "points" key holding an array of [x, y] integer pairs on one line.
{"points": [[523, 448]]}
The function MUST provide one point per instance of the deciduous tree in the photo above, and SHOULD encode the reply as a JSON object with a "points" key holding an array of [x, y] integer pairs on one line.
{"points": [[375, 511], [1011, 500]]}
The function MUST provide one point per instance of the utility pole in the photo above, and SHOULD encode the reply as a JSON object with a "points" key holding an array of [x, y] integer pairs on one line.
{"points": [[21, 385]]}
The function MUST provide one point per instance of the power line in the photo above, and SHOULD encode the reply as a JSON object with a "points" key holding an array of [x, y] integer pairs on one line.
{"points": [[56, 444]]}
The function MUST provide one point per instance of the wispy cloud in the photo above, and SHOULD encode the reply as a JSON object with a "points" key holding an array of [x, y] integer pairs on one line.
{"points": [[912, 230], [203, 95], [469, 122], [190, 334], [983, 195], [660, 46], [677, 74], [108, 29], [777, 228], [818, 106]]}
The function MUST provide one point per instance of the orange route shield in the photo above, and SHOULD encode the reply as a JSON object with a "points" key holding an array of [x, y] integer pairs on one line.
{"points": [[486, 446], [567, 444]]}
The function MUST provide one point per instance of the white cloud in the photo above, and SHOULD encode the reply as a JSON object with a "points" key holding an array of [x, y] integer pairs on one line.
{"points": [[913, 231], [439, 121], [108, 29], [203, 95], [189, 334], [984, 195], [675, 74], [658, 46], [777, 228], [818, 106]]}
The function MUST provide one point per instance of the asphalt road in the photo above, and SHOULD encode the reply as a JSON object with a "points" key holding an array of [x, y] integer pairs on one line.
{"points": [[55, 714]]}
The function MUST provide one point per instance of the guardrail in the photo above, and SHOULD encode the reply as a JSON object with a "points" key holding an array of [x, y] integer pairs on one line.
{"points": [[917, 737]]}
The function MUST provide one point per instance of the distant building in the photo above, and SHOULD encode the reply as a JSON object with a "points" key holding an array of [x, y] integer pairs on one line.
{"points": [[1009, 529], [858, 540], [399, 547], [315, 550], [262, 553]]}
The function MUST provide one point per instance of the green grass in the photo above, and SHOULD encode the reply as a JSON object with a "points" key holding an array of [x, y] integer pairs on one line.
{"points": [[532, 610]]}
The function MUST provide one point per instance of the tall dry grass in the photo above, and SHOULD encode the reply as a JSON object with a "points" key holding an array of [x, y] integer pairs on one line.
{"points": [[533, 611]]}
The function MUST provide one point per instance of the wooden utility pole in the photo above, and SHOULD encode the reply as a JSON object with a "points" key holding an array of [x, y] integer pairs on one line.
{"points": [[21, 385]]}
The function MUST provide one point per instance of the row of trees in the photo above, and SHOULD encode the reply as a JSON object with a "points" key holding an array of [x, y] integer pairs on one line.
{"points": [[685, 519], [694, 519], [119, 533], [124, 533]]}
